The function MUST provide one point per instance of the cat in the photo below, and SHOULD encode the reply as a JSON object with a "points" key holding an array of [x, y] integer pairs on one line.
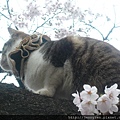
{"points": [[59, 68]]}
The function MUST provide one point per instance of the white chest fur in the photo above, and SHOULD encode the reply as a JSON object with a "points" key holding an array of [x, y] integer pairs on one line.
{"points": [[41, 76], [35, 71]]}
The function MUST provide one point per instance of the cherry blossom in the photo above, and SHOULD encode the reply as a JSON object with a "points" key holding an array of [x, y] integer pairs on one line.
{"points": [[88, 102], [113, 108], [104, 104], [112, 92], [77, 100], [108, 101], [89, 92], [88, 107], [86, 112]]}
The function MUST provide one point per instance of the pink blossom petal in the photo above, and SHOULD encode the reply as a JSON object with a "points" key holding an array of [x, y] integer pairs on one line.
{"points": [[94, 102], [84, 95], [94, 96], [76, 100], [87, 106], [114, 108], [86, 112], [114, 86], [94, 89], [114, 100], [104, 104], [87, 87]]}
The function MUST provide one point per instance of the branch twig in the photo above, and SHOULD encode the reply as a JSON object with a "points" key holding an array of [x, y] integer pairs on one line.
{"points": [[4, 16], [94, 28], [8, 8], [4, 77], [106, 38], [46, 21]]}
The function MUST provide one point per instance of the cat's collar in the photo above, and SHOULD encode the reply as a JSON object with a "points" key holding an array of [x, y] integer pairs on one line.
{"points": [[20, 55]]}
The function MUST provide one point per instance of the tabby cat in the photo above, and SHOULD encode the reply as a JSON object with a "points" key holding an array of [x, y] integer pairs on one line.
{"points": [[59, 68]]}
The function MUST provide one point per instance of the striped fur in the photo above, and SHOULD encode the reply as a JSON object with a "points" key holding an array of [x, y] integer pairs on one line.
{"points": [[92, 61]]}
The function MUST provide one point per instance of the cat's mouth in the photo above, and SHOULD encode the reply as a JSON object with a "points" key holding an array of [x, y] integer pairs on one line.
{"points": [[19, 56]]}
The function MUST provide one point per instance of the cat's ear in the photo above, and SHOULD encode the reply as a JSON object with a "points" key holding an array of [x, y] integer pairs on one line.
{"points": [[45, 38], [12, 31]]}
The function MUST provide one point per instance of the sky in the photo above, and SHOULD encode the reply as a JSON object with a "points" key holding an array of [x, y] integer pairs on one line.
{"points": [[105, 7]]}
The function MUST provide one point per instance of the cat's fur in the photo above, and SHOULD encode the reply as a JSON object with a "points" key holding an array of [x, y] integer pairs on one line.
{"points": [[59, 68]]}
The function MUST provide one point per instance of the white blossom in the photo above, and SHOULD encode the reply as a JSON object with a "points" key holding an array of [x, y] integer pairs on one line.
{"points": [[113, 93], [86, 112], [104, 104], [113, 108], [113, 89], [88, 104], [88, 107], [89, 92], [77, 99]]}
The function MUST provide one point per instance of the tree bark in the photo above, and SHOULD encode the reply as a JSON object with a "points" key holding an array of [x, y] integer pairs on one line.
{"points": [[18, 101]]}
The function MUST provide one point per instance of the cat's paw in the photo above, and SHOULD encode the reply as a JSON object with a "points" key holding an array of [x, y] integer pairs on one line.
{"points": [[44, 92]]}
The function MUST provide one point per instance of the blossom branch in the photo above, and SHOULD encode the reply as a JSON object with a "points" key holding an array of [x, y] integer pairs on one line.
{"points": [[46, 21], [5, 16], [106, 38], [4, 77], [114, 26], [94, 28], [111, 30], [117, 26], [8, 8], [10, 15]]}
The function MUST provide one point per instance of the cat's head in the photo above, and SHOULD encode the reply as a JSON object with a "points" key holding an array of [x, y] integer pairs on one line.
{"points": [[11, 44]]}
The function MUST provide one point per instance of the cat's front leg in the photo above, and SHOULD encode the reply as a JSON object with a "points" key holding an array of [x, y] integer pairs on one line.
{"points": [[46, 92]]}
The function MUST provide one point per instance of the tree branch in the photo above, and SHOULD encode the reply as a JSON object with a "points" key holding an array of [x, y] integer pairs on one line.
{"points": [[94, 28], [21, 102], [114, 26], [8, 11], [46, 21], [4, 77], [4, 16], [117, 26], [17, 101], [106, 38], [8, 8]]}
